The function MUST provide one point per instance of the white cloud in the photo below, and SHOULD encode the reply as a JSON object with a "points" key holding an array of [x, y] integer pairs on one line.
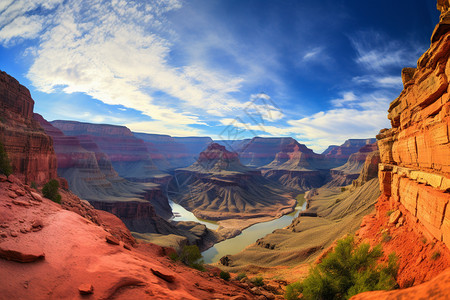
{"points": [[163, 128], [92, 51], [375, 51], [379, 81], [313, 54]]}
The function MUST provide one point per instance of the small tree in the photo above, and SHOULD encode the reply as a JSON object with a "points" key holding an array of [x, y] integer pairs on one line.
{"points": [[50, 191], [293, 291], [5, 165], [350, 270], [191, 256], [225, 275]]}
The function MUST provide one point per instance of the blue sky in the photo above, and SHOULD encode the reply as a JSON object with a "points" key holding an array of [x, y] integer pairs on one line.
{"points": [[319, 71]]}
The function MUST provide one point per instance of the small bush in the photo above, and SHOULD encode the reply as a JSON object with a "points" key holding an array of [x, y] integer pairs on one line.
{"points": [[342, 189], [293, 291], [190, 256], [258, 281], [435, 255], [5, 165], [33, 185], [350, 270], [389, 213], [174, 256], [385, 237], [424, 240], [225, 275], [241, 276], [50, 191]]}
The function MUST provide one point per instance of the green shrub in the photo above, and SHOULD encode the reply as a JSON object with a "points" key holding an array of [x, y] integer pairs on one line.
{"points": [[385, 237], [350, 270], [389, 213], [225, 275], [5, 165], [258, 281], [33, 185], [190, 256], [435, 255], [293, 291], [241, 276], [50, 191]]}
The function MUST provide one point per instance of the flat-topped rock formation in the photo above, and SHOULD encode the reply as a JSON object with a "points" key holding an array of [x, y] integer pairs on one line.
{"points": [[128, 154], [169, 153], [219, 187], [29, 149]]}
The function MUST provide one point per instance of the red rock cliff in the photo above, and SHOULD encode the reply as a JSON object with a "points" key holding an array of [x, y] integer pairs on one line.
{"points": [[29, 149], [415, 174]]}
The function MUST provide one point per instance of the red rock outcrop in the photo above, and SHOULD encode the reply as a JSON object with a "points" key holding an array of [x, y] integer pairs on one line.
{"points": [[48, 252], [415, 172], [29, 149]]}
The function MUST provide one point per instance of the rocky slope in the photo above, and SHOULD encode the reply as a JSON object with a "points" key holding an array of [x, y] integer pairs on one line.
{"points": [[29, 149], [47, 252], [415, 172], [128, 154], [218, 187], [331, 213], [169, 153]]}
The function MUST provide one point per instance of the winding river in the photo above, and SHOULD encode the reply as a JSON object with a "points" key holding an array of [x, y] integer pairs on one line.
{"points": [[238, 243]]}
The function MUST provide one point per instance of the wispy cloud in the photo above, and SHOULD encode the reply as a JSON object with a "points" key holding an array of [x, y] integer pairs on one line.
{"points": [[313, 54], [379, 81], [376, 51]]}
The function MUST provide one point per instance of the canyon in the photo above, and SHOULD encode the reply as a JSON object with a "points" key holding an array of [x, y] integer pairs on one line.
{"points": [[116, 185]]}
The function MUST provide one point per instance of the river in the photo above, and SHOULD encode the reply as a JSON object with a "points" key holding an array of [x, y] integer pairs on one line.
{"points": [[247, 237]]}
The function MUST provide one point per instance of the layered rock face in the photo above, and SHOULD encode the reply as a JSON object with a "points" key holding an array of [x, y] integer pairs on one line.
{"points": [[29, 149], [415, 152], [219, 187], [128, 154], [343, 152], [415, 173], [297, 167], [173, 152], [347, 173]]}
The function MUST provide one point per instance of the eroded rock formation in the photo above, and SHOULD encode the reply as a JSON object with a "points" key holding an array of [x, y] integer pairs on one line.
{"points": [[219, 187], [128, 154], [29, 149]]}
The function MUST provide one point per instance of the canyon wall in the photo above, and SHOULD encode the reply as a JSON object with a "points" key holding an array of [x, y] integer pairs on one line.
{"points": [[128, 154], [29, 149], [415, 152]]}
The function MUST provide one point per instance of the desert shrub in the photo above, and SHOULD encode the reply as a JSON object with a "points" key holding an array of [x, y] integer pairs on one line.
{"points": [[191, 256], [435, 255], [293, 291], [50, 191], [33, 185], [385, 237], [174, 256], [5, 165], [240, 276], [342, 189], [225, 275], [258, 281], [350, 270]]}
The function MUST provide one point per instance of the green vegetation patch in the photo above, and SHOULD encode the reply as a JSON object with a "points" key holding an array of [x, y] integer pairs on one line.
{"points": [[50, 191], [5, 165], [347, 271]]}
